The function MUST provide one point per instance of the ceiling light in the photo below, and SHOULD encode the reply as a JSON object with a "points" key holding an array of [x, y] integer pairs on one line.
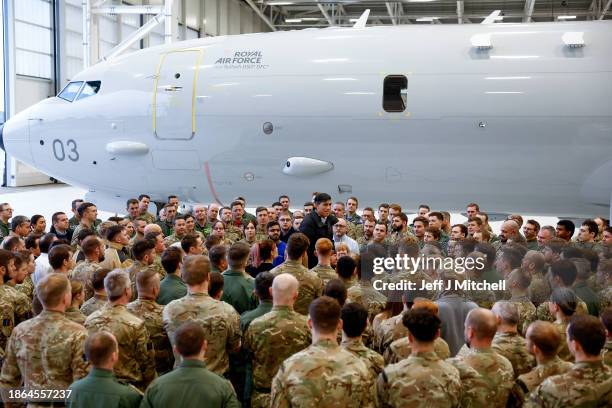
{"points": [[566, 17], [427, 19], [280, 3], [293, 20]]}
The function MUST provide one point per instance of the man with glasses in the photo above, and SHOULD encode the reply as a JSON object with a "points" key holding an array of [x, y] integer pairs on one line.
{"points": [[286, 227], [340, 229], [6, 213], [531, 230], [274, 233]]}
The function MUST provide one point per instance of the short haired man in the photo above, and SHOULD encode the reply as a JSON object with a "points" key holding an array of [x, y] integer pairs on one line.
{"points": [[545, 234], [587, 235], [354, 324], [298, 379], [275, 336], [589, 382], [238, 286], [6, 213], [143, 253], [507, 341], [28, 362], [324, 251], [192, 384], [531, 230], [263, 217], [273, 230], [145, 307], [543, 342], [409, 382], [179, 230], [219, 319], [93, 248], [143, 208], [286, 228], [563, 274], [368, 232], [99, 298], [60, 259], [351, 211], [136, 363], [318, 224], [418, 227], [100, 387], [311, 285], [494, 377], [20, 226], [539, 289], [88, 213], [565, 230], [172, 287]]}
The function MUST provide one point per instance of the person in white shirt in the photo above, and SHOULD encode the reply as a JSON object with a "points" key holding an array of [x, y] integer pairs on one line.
{"points": [[340, 230]]}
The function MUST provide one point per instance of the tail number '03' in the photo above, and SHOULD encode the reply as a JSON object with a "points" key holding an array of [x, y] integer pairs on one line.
{"points": [[60, 152]]}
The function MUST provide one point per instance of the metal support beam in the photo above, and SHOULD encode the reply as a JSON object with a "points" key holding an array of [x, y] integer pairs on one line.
{"points": [[136, 36], [86, 33], [529, 5], [168, 22], [605, 10], [325, 14], [128, 10], [261, 15], [460, 12], [391, 13]]}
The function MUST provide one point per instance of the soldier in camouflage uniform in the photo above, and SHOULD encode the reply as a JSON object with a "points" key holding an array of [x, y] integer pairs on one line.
{"points": [[323, 251], [543, 342], [563, 275], [422, 379], [539, 289], [518, 282], [148, 310], [46, 351], [589, 382], [368, 234], [136, 363], [274, 337], [73, 313], [606, 319], [484, 298], [354, 323], [88, 214], [494, 377], [311, 285], [324, 374], [507, 341], [219, 320], [93, 249], [143, 252], [180, 230], [99, 298], [401, 349]]}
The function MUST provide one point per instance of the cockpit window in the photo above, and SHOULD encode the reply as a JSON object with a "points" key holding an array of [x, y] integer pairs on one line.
{"points": [[70, 91], [91, 88]]}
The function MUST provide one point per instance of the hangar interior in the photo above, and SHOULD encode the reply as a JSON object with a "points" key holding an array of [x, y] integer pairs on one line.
{"points": [[46, 42]]}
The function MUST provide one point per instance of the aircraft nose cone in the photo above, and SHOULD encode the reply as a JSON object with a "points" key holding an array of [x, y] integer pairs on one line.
{"points": [[1, 139]]}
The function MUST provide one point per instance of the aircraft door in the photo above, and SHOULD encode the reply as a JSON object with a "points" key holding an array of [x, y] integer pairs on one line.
{"points": [[174, 95]]}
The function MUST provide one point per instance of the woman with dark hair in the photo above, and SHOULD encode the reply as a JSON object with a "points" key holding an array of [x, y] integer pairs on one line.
{"points": [[38, 224], [249, 230], [219, 229]]}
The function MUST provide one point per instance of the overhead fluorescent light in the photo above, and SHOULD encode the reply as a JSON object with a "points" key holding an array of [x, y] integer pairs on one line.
{"points": [[293, 20], [566, 17], [280, 3], [353, 20], [310, 19], [420, 1], [427, 19]]}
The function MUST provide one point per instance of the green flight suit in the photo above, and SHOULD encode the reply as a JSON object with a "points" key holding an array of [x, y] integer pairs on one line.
{"points": [[191, 385], [101, 389], [238, 290], [170, 288]]}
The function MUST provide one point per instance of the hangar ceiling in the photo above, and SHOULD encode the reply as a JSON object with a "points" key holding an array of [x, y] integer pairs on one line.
{"points": [[299, 14]]}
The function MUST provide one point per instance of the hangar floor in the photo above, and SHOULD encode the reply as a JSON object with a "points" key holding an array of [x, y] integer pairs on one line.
{"points": [[47, 199]]}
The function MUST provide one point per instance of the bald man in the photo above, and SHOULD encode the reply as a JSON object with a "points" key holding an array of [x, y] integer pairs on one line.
{"points": [[487, 377], [509, 231], [275, 336], [543, 341]]}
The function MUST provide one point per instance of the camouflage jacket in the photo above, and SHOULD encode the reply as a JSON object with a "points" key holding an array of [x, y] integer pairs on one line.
{"points": [[270, 340], [564, 353], [14, 308], [220, 321], [401, 349], [607, 353], [325, 273], [136, 363], [374, 361], [526, 311], [539, 289], [528, 382], [364, 294], [83, 272], [587, 384], [310, 287], [323, 375], [543, 312], [75, 315], [513, 347], [605, 298], [151, 312], [487, 378], [97, 302], [421, 380], [172, 239], [46, 351]]}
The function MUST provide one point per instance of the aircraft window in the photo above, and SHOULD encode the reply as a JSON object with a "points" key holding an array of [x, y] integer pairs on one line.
{"points": [[70, 91], [395, 91], [91, 88]]}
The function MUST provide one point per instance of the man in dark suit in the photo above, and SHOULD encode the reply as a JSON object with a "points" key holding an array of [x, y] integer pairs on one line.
{"points": [[318, 224]]}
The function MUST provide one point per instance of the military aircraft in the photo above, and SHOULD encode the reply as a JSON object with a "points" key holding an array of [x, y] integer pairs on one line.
{"points": [[517, 117]]}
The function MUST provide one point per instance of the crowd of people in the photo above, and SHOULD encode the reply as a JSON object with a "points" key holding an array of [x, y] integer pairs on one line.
{"points": [[213, 306]]}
